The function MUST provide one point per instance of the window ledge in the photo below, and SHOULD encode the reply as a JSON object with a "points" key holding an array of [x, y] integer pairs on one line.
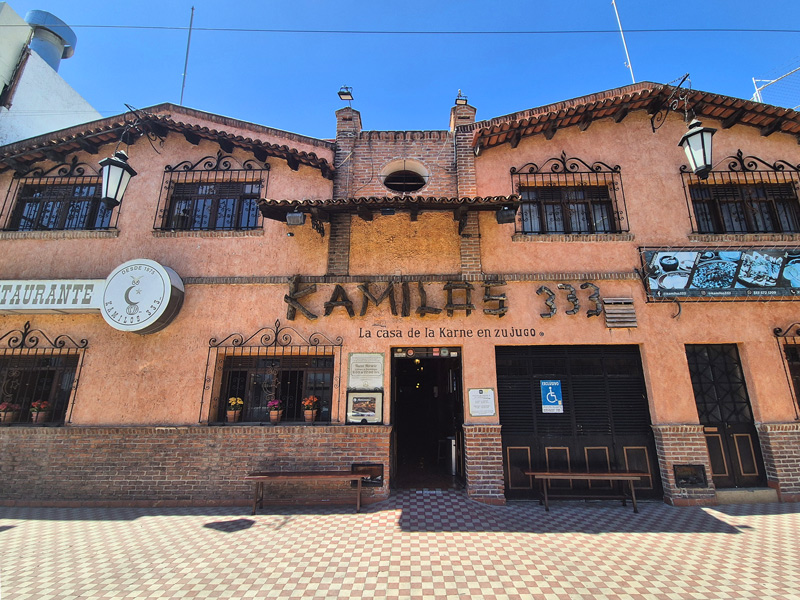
{"points": [[572, 237], [68, 234], [209, 234], [744, 237]]}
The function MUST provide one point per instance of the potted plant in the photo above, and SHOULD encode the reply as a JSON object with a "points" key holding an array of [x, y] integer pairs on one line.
{"points": [[9, 412], [234, 412], [40, 411], [310, 406], [275, 408]]}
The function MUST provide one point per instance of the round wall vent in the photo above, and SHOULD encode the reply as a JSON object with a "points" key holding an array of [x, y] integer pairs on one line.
{"points": [[404, 176]]}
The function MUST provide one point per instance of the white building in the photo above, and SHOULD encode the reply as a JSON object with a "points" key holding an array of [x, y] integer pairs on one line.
{"points": [[35, 99]]}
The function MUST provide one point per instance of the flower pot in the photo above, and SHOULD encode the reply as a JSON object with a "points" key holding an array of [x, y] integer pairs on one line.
{"points": [[310, 415], [40, 417], [275, 416], [233, 415], [9, 416]]}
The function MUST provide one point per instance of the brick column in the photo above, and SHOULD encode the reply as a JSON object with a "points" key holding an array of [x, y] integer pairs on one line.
{"points": [[483, 463], [780, 445], [683, 444], [461, 119], [348, 126]]}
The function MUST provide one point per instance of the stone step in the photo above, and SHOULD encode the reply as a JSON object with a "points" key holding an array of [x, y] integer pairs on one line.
{"points": [[747, 495]]}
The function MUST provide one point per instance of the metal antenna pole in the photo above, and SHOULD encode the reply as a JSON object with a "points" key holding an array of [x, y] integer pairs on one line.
{"points": [[624, 45], [186, 62]]}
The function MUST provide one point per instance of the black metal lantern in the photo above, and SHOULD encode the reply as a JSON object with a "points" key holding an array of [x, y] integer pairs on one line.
{"points": [[346, 93], [116, 173], [697, 144]]}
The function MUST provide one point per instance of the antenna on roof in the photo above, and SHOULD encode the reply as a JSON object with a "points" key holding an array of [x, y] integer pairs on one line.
{"points": [[186, 62], [768, 82], [624, 45]]}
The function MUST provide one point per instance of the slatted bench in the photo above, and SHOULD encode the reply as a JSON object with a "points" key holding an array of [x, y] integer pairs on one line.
{"points": [[357, 474], [546, 476]]}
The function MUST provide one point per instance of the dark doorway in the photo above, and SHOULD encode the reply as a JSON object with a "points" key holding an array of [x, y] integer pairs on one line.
{"points": [[427, 414], [723, 407], [604, 424]]}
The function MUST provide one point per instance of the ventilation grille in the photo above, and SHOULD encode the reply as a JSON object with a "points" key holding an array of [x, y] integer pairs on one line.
{"points": [[619, 312]]}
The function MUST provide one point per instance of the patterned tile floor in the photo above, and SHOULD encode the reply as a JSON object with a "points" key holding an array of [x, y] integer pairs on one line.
{"points": [[417, 544]]}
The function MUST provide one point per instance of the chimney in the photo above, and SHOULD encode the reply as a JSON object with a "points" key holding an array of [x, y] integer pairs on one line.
{"points": [[462, 114], [52, 38]]}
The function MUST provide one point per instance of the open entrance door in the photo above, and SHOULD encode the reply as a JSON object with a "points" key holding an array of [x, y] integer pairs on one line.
{"points": [[427, 414]]}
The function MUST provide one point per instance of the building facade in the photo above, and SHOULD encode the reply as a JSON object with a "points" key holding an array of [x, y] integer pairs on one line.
{"points": [[545, 290]]}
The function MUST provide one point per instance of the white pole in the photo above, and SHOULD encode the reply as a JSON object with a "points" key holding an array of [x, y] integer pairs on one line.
{"points": [[624, 45], [186, 63]]}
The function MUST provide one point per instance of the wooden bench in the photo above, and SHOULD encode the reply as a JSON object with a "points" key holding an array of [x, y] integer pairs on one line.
{"points": [[546, 476], [358, 474]]}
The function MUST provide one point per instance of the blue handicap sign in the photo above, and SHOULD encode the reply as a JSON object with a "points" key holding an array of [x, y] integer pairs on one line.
{"points": [[552, 401]]}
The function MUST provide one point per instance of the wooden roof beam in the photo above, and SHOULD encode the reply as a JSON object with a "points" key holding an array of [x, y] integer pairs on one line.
{"points": [[734, 118], [772, 127], [364, 213], [191, 137], [621, 113], [550, 130], [226, 145], [514, 138], [88, 146], [291, 160], [585, 121]]}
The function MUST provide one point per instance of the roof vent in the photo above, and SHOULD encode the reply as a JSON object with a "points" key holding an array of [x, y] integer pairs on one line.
{"points": [[620, 312], [52, 38]]}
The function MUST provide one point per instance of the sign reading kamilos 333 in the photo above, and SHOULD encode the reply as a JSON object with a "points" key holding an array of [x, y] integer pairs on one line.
{"points": [[140, 296]]}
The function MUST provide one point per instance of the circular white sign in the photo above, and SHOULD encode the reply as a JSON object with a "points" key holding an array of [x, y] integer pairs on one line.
{"points": [[141, 296]]}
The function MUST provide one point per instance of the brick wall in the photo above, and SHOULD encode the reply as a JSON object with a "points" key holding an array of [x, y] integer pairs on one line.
{"points": [[471, 246], [683, 444], [180, 465], [483, 460], [780, 445]]}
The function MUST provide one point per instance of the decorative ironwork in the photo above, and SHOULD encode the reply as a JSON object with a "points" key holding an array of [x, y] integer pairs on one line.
{"points": [[277, 335], [673, 102], [569, 195], [562, 164], [220, 162], [273, 361], [39, 375], [788, 340], [71, 169], [750, 195], [739, 163], [27, 338]]}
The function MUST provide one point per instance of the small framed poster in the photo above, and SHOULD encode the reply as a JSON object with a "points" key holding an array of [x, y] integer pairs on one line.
{"points": [[481, 402], [364, 407], [365, 371]]}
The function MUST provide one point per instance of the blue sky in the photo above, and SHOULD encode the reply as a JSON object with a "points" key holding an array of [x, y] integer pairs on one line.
{"points": [[409, 81]]}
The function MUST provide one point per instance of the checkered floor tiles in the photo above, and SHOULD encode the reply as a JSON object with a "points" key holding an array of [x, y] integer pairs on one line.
{"points": [[418, 544]]}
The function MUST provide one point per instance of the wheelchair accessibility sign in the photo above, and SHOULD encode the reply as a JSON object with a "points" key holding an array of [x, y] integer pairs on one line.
{"points": [[551, 397]]}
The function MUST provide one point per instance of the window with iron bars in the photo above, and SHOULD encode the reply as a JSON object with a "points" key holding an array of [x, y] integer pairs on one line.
{"points": [[569, 196], [734, 208], [258, 379], [53, 203], [750, 196], [587, 209], [36, 387], [212, 201]]}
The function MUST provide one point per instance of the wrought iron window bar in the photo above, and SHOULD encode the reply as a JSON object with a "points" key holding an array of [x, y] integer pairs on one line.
{"points": [[569, 196], [35, 368], [788, 340], [750, 196], [65, 197], [212, 195], [275, 362]]}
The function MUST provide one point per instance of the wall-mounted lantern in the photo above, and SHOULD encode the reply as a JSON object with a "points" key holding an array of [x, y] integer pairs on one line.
{"points": [[697, 144], [116, 173]]}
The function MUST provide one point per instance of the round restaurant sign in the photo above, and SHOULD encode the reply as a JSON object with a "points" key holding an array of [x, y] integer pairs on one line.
{"points": [[141, 296]]}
